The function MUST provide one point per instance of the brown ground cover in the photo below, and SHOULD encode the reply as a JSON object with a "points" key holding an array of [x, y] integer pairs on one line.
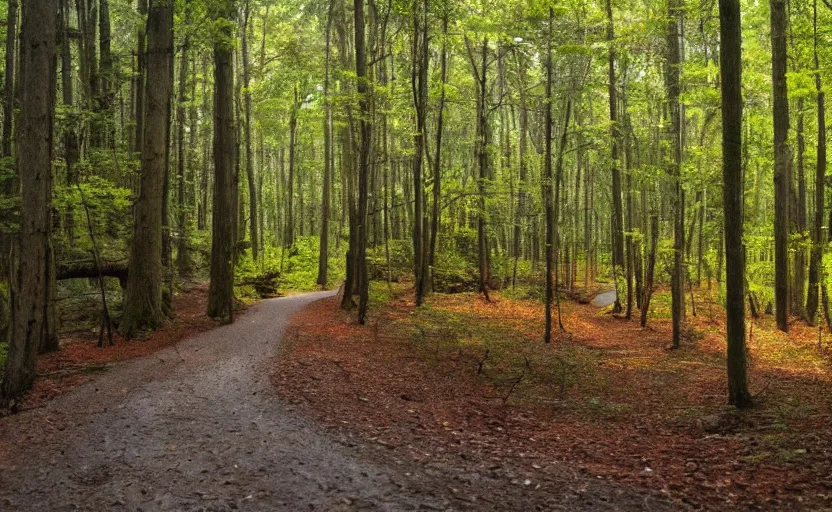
{"points": [[468, 381]]}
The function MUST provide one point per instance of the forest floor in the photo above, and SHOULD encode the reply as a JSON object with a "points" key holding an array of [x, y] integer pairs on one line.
{"points": [[197, 426], [467, 383]]}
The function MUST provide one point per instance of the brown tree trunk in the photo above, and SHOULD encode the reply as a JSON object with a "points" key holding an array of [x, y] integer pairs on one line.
{"points": [[782, 157], [617, 209], [364, 161], [816, 257], [673, 89], [730, 64], [221, 289], [183, 259], [143, 298], [323, 253], [252, 186], [33, 278]]}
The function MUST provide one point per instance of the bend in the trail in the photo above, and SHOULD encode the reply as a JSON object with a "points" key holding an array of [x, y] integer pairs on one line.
{"points": [[197, 427]]}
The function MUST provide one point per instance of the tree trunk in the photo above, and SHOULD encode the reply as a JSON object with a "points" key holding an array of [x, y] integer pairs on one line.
{"points": [[730, 64], [617, 209], [363, 165], [143, 298], [547, 181], [419, 85], [323, 253], [33, 278], [183, 260], [8, 86], [816, 257], [289, 238], [782, 157], [221, 289], [252, 186], [673, 89], [437, 162]]}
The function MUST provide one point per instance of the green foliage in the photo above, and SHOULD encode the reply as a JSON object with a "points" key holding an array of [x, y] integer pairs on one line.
{"points": [[401, 262]]}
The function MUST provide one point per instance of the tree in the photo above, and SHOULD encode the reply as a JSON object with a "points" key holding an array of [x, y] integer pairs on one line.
{"points": [[323, 249], [221, 289], [617, 209], [33, 273], [143, 297], [730, 66], [252, 188], [364, 161], [816, 257], [782, 162], [674, 65]]}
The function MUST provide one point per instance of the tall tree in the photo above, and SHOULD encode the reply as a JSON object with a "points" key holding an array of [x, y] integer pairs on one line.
{"points": [[547, 181], [816, 257], [32, 278], [252, 187], [183, 257], [674, 68], [221, 289], [617, 209], [782, 162], [364, 160], [323, 253], [419, 86], [730, 66], [143, 297]]}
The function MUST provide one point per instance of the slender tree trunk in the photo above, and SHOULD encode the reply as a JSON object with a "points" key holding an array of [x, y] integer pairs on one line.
{"points": [[143, 298], [816, 257], [673, 89], [183, 257], [782, 158], [547, 181], [617, 209], [323, 253], [418, 80], [364, 157], [252, 186], [730, 64], [221, 289], [289, 238], [437, 162], [33, 276]]}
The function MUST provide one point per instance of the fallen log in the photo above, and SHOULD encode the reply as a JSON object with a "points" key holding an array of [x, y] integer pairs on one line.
{"points": [[87, 269]]}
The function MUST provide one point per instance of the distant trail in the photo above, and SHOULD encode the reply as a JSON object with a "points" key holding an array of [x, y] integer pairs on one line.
{"points": [[197, 426]]}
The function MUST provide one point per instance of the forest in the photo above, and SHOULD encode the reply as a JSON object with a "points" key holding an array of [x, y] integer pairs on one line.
{"points": [[650, 172]]}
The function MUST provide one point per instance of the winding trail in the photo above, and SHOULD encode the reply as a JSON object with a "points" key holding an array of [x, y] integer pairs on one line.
{"points": [[197, 427]]}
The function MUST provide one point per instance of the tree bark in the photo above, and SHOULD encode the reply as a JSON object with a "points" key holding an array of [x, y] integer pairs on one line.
{"points": [[183, 259], [674, 63], [143, 298], [617, 209], [363, 165], [221, 289], [33, 278], [730, 63], [816, 257], [323, 253], [252, 187], [782, 157]]}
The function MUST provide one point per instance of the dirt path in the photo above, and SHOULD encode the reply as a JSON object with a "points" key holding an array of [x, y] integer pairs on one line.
{"points": [[197, 427]]}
